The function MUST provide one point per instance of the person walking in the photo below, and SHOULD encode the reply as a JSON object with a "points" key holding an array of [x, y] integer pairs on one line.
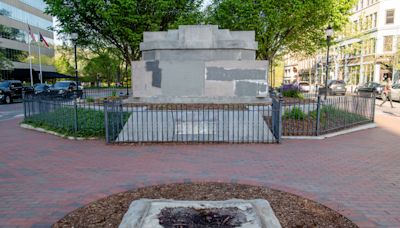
{"points": [[387, 92]]}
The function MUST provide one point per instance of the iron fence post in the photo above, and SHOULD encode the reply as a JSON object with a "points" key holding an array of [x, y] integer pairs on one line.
{"points": [[76, 116], [318, 115], [106, 121], [373, 106], [280, 118], [121, 114], [24, 104]]}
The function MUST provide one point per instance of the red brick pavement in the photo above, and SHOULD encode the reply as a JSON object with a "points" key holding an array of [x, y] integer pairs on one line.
{"points": [[43, 177]]}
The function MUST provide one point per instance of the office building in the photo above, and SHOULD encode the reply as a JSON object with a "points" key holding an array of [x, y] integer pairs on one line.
{"points": [[15, 16]]}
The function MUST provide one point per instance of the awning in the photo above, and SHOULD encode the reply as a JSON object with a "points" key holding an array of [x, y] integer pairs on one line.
{"points": [[24, 75], [50, 75]]}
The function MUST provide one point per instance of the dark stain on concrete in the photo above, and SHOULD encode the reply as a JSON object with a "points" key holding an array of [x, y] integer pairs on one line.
{"points": [[156, 73]]}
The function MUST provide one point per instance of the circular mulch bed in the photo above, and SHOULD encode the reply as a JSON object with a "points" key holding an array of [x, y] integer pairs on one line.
{"points": [[291, 210]]}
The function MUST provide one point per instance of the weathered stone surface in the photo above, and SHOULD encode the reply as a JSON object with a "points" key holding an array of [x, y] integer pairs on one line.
{"points": [[197, 60], [144, 213]]}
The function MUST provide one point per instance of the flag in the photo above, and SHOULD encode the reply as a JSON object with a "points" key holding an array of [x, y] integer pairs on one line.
{"points": [[31, 34], [43, 40]]}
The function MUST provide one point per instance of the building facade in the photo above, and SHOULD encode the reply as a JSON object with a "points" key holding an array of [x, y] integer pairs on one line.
{"points": [[15, 16], [368, 49]]}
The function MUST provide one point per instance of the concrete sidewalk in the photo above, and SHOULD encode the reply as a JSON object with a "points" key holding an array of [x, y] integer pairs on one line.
{"points": [[43, 177], [387, 109]]}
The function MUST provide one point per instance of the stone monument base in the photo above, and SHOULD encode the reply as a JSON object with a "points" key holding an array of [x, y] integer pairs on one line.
{"points": [[145, 213], [262, 99]]}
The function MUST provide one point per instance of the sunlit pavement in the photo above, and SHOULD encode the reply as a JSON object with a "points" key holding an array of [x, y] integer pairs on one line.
{"points": [[387, 109]]}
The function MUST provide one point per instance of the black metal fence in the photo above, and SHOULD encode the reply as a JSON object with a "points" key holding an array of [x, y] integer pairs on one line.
{"points": [[67, 116], [102, 92], [198, 123], [190, 123], [313, 117]]}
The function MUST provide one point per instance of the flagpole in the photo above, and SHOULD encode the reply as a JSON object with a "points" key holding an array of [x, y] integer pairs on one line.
{"points": [[30, 60], [40, 65]]}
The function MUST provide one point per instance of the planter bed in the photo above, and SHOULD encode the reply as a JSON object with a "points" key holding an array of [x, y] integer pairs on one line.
{"points": [[291, 210]]}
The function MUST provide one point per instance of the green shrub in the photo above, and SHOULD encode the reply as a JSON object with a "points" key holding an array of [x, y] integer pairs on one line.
{"points": [[293, 93], [333, 114], [114, 93], [62, 120], [90, 99], [296, 113]]}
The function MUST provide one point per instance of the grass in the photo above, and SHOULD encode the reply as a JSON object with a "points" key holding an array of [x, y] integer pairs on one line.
{"points": [[330, 113], [296, 113], [296, 122], [62, 121]]}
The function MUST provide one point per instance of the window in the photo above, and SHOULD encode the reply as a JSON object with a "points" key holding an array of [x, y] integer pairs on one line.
{"points": [[22, 16], [390, 16], [388, 43], [355, 26], [375, 19], [20, 35], [369, 46], [39, 4]]}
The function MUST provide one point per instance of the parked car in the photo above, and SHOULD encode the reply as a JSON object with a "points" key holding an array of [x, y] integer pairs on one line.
{"points": [[335, 87], [395, 92], [370, 87], [41, 89], [304, 87], [11, 90], [66, 89]]}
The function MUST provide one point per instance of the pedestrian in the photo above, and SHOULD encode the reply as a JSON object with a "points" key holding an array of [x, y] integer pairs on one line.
{"points": [[387, 92]]}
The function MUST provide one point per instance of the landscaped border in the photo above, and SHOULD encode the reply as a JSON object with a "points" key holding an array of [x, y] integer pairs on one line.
{"points": [[289, 208]]}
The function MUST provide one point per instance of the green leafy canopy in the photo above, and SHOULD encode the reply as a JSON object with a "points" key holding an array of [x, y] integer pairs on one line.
{"points": [[290, 25], [120, 23]]}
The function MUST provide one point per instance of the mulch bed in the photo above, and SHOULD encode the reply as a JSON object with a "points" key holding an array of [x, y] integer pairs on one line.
{"points": [[291, 210], [307, 126]]}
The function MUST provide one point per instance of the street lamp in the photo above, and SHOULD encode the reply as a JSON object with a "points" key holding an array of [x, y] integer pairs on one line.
{"points": [[329, 33], [74, 38]]}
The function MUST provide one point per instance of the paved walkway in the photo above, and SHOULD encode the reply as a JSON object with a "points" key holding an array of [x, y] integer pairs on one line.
{"points": [[387, 109], [43, 177]]}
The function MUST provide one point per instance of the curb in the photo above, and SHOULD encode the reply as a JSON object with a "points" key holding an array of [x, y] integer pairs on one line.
{"points": [[343, 132], [30, 127]]}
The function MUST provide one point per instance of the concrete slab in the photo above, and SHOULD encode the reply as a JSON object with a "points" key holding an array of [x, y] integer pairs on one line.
{"points": [[144, 213]]}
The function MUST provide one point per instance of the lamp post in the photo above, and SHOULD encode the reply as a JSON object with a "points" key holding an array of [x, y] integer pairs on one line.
{"points": [[329, 33], [74, 38]]}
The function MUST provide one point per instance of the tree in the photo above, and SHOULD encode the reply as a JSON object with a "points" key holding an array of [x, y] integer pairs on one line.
{"points": [[5, 64], [119, 23], [281, 25], [103, 67]]}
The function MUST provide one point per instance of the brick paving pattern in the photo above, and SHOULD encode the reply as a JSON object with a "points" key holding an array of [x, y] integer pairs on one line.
{"points": [[43, 177]]}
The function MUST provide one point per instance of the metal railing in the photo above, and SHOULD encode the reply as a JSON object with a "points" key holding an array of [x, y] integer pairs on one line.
{"points": [[198, 123], [190, 123], [67, 116], [313, 117]]}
